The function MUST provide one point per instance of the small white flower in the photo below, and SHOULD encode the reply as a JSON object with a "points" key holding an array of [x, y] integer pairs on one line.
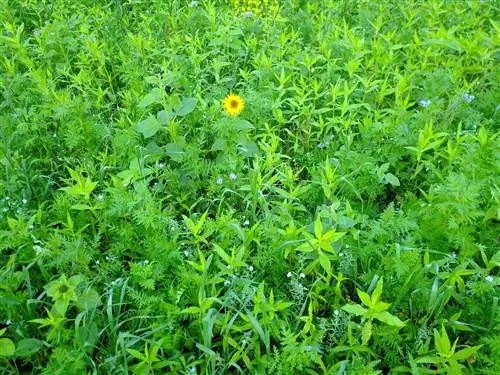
{"points": [[36, 32], [24, 201], [161, 165], [489, 279], [186, 253], [246, 222], [228, 266], [321, 145], [302, 275], [341, 254], [30, 227], [425, 102], [248, 14], [219, 181], [232, 176], [8, 322], [5, 209], [100, 197], [193, 4], [250, 268], [289, 274], [7, 198], [227, 282], [146, 262], [308, 348], [336, 312], [97, 262], [468, 98]]}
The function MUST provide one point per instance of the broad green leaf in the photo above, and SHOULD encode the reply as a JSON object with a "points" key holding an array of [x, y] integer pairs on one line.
{"points": [[318, 227], [148, 127], [465, 353], [391, 179], [218, 145], [378, 291], [388, 318], [366, 332], [324, 260], [154, 97], [27, 347], [354, 309], [174, 151], [164, 117], [220, 251], [7, 347], [364, 297], [428, 359], [243, 125], [187, 106]]}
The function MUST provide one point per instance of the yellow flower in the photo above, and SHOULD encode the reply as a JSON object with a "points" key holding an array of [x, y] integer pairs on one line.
{"points": [[233, 104]]}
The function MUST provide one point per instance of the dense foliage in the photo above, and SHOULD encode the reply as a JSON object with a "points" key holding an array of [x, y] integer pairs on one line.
{"points": [[343, 220]]}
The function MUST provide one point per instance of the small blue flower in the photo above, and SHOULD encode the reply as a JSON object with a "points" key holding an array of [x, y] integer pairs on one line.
{"points": [[468, 98], [425, 102]]}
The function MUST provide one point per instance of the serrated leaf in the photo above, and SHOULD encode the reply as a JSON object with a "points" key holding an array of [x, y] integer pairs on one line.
{"points": [[187, 106], [148, 127], [191, 310]]}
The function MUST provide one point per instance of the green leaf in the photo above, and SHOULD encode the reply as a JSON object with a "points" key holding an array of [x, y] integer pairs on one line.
{"points": [[318, 227], [154, 97], [187, 106], [465, 353], [243, 125], [391, 179], [366, 332], [7, 347], [174, 151], [365, 298], [355, 309], [218, 145], [148, 127], [428, 359], [324, 260], [28, 347], [378, 291], [388, 318]]}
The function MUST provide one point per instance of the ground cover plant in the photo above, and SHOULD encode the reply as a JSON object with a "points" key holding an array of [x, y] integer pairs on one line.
{"points": [[249, 187]]}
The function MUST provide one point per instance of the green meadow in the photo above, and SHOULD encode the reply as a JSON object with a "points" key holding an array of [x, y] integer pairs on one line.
{"points": [[277, 187]]}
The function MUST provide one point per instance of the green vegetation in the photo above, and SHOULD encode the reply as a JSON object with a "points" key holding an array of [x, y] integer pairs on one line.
{"points": [[340, 218]]}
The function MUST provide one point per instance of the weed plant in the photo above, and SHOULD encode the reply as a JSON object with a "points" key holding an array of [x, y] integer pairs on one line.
{"points": [[249, 187]]}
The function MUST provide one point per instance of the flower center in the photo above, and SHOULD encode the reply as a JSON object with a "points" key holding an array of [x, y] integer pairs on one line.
{"points": [[234, 103]]}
